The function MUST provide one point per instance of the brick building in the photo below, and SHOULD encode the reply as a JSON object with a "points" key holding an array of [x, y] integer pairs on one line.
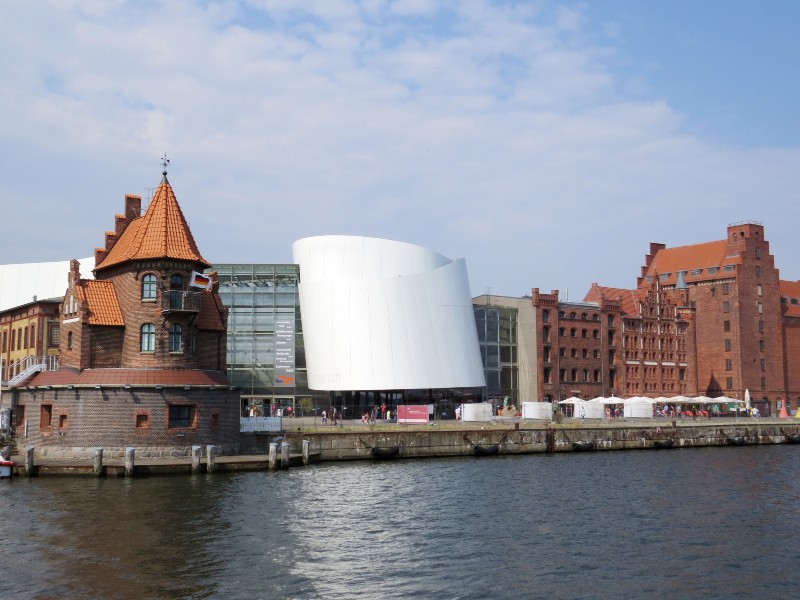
{"points": [[712, 319], [142, 347]]}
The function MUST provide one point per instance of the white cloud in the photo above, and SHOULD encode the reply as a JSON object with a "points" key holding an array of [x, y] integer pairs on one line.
{"points": [[493, 132]]}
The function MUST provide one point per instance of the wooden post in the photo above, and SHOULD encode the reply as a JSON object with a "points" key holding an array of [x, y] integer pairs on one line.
{"points": [[285, 455], [306, 445], [273, 456], [211, 458], [29, 461], [130, 461], [197, 452], [98, 462]]}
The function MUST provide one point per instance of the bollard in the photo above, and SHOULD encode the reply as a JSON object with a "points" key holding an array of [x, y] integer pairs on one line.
{"points": [[197, 452], [29, 461], [306, 445], [273, 456], [285, 455], [211, 458], [130, 461], [98, 462]]}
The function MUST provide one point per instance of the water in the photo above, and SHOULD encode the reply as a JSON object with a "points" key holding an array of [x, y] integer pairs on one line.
{"points": [[699, 523]]}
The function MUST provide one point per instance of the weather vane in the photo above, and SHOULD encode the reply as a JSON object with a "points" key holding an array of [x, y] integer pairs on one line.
{"points": [[165, 163]]}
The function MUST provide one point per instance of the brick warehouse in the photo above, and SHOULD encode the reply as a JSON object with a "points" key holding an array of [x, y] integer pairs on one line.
{"points": [[142, 347], [711, 319]]}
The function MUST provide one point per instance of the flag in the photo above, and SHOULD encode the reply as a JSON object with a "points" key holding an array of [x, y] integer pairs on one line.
{"points": [[200, 280]]}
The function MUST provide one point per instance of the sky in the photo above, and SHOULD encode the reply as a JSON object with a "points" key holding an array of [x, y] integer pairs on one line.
{"points": [[547, 143]]}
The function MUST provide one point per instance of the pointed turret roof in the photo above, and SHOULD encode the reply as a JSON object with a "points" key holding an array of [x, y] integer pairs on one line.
{"points": [[161, 233]]}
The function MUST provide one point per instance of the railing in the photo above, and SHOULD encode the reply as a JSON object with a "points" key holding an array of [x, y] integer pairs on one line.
{"points": [[20, 369], [180, 301]]}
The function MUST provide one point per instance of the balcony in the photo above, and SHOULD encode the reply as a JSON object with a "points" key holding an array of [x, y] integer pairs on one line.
{"points": [[180, 301]]}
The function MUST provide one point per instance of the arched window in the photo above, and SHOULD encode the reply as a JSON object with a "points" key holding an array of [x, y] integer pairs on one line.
{"points": [[149, 287], [148, 338], [69, 341], [175, 338], [33, 336], [176, 282]]}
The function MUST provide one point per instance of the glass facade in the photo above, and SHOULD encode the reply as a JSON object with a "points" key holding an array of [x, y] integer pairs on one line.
{"points": [[497, 336], [263, 299]]}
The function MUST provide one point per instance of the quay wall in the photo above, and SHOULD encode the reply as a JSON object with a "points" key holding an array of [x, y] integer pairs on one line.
{"points": [[350, 445]]}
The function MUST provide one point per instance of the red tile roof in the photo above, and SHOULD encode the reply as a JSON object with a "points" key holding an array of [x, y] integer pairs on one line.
{"points": [[790, 290], [101, 300], [161, 233], [688, 258], [629, 299], [119, 377]]}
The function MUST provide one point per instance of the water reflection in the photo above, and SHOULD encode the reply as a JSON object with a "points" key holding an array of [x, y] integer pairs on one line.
{"points": [[697, 523]]}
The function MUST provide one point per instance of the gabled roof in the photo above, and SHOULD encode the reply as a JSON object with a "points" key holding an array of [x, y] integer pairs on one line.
{"points": [[629, 299], [790, 290], [695, 260], [161, 233], [101, 300]]}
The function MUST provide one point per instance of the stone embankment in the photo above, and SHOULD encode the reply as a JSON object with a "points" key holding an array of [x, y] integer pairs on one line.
{"points": [[304, 443]]}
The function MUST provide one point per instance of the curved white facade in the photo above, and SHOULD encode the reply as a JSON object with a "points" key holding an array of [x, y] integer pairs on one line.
{"points": [[383, 315]]}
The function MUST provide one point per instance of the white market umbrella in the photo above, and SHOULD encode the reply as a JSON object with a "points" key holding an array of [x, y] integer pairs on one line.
{"points": [[747, 399]]}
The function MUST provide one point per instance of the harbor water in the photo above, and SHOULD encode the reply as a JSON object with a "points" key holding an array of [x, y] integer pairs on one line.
{"points": [[699, 523]]}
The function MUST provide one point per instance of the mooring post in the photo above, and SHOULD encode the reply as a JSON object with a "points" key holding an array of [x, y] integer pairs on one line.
{"points": [[130, 461], [273, 456], [306, 445], [197, 452], [29, 461], [211, 458], [98, 462], [285, 455]]}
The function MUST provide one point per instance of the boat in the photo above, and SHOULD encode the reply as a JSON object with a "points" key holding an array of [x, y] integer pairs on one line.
{"points": [[663, 444], [582, 446], [486, 450], [386, 453], [6, 467]]}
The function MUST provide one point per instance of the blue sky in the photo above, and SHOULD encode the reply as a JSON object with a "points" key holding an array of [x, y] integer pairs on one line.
{"points": [[546, 142]]}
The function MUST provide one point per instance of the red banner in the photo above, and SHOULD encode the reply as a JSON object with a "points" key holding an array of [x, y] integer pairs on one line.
{"points": [[412, 414]]}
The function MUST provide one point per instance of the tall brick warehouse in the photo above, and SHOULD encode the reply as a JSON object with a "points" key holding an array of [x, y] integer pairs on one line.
{"points": [[142, 347]]}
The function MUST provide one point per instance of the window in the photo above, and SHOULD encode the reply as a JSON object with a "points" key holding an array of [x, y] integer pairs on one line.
{"points": [[610, 320], [33, 336], [546, 375], [726, 307], [725, 288], [175, 338], [148, 338], [25, 339], [728, 364], [759, 290], [712, 270], [574, 353], [214, 420], [584, 333], [149, 287], [596, 354], [758, 252], [142, 421], [562, 352], [182, 415], [573, 332], [574, 374], [176, 282], [193, 340], [572, 315], [761, 327], [545, 316], [729, 383], [758, 270], [763, 383], [562, 375], [69, 340], [546, 334], [53, 335], [5, 341], [546, 354], [760, 308], [726, 325], [596, 333], [585, 375], [46, 416], [596, 375], [761, 345], [728, 268], [585, 353], [727, 345], [583, 316], [63, 421], [562, 332], [762, 364], [695, 272]]}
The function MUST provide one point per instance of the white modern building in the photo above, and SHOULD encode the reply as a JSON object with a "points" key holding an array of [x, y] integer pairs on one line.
{"points": [[385, 315], [23, 283]]}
